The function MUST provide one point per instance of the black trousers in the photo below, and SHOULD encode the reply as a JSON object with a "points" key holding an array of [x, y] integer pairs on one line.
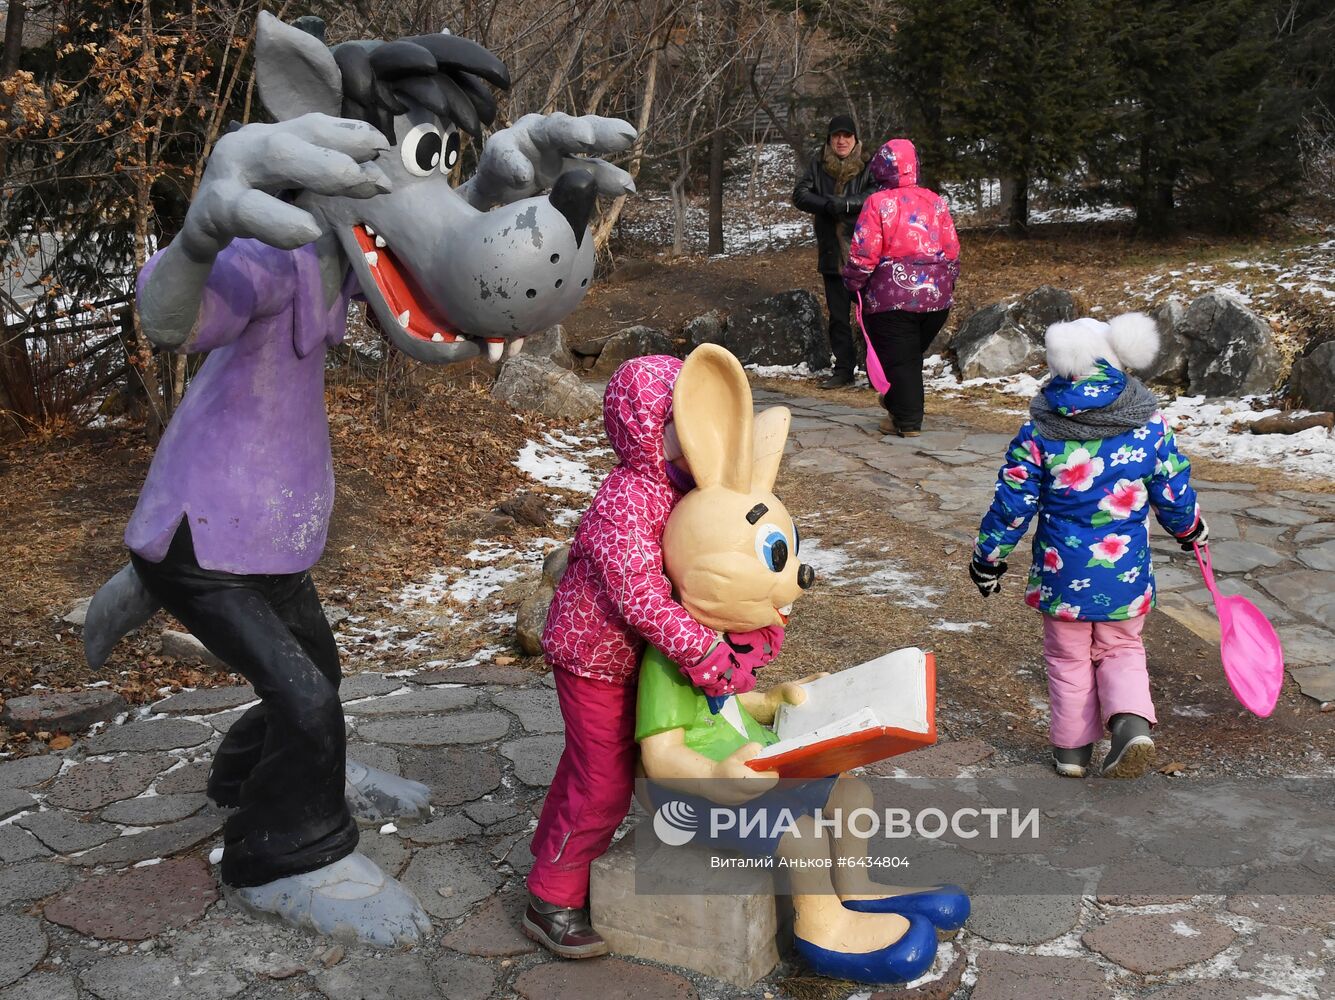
{"points": [[838, 303], [282, 762], [900, 340]]}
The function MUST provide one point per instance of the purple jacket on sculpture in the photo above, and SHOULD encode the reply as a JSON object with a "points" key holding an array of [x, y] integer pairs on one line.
{"points": [[246, 458]]}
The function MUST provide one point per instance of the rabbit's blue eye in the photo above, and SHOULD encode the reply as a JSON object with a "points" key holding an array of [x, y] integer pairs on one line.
{"points": [[772, 547]]}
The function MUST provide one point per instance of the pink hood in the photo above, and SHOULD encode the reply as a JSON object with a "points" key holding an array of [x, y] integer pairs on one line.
{"points": [[895, 164], [636, 406], [615, 595]]}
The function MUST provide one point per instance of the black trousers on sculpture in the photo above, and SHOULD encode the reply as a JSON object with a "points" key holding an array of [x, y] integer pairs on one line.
{"points": [[900, 340], [838, 303], [282, 762]]}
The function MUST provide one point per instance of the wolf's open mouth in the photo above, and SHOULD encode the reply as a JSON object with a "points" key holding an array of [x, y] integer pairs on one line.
{"points": [[414, 317]]}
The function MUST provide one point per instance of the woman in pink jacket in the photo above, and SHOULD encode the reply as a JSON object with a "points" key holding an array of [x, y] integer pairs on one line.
{"points": [[903, 260], [613, 598]]}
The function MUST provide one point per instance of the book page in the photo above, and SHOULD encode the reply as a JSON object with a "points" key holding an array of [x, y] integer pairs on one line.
{"points": [[855, 723], [893, 686]]}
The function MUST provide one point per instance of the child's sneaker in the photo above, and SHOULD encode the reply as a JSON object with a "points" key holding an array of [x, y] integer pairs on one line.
{"points": [[1132, 750], [1072, 762]]}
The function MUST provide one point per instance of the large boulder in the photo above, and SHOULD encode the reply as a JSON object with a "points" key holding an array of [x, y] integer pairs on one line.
{"points": [[1170, 365], [979, 327], [632, 342], [1042, 307], [1230, 350], [1313, 381], [540, 385], [784, 329], [990, 343], [1007, 350], [531, 618], [550, 344], [707, 328]]}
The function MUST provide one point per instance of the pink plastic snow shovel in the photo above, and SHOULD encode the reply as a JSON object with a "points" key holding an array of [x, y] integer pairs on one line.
{"points": [[875, 373], [1253, 658]]}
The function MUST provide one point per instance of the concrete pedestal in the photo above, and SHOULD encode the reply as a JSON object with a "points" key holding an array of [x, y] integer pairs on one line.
{"points": [[729, 937]]}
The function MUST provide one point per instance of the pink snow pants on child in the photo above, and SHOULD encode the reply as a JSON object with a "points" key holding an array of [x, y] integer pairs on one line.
{"points": [[1095, 670], [591, 792]]}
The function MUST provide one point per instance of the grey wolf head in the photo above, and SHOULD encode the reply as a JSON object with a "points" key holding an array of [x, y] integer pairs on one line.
{"points": [[444, 280]]}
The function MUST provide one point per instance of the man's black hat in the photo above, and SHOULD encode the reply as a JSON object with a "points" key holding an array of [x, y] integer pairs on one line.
{"points": [[842, 123]]}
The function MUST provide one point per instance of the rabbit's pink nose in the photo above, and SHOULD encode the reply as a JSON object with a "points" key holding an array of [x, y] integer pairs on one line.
{"points": [[806, 576]]}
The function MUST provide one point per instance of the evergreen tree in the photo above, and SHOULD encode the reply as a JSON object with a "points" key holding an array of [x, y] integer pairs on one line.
{"points": [[1211, 94]]}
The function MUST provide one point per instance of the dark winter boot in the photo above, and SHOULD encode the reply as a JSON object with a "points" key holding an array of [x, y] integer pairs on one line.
{"points": [[1072, 762], [562, 930], [1132, 750]]}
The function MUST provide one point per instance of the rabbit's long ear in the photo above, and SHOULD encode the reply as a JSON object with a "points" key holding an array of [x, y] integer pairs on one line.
{"points": [[771, 436], [711, 408]]}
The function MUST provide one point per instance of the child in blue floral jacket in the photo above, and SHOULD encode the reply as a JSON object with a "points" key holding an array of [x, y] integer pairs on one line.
{"points": [[1094, 457]]}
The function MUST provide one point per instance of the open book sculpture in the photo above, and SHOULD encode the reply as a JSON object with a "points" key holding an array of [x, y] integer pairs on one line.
{"points": [[735, 570], [856, 717]]}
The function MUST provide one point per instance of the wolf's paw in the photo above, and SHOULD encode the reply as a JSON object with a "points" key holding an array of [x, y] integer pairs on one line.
{"points": [[351, 899], [376, 796]]}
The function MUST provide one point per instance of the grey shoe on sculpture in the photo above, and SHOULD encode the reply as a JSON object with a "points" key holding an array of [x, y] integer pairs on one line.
{"points": [[352, 900], [376, 796]]}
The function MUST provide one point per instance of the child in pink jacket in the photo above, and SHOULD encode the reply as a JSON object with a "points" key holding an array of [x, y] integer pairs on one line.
{"points": [[613, 598], [903, 262]]}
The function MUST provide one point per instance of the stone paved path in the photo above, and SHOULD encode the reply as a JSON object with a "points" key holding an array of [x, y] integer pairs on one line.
{"points": [[105, 890]]}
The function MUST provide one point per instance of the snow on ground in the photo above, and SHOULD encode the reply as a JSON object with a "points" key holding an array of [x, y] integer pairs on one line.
{"points": [[1257, 281], [1213, 428], [758, 214], [846, 566], [558, 460], [475, 601]]}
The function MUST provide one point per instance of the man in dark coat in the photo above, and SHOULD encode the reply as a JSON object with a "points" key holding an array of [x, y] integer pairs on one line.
{"points": [[832, 189]]}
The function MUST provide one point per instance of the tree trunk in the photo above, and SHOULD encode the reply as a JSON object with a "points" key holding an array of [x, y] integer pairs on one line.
{"points": [[603, 232], [716, 194], [1018, 217], [10, 65]]}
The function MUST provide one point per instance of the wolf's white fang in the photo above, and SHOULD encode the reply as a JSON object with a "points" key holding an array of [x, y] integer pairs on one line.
{"points": [[403, 319], [495, 349], [514, 347], [372, 258]]}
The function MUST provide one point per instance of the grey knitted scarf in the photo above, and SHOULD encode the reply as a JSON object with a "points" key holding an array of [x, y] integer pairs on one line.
{"points": [[1132, 409]]}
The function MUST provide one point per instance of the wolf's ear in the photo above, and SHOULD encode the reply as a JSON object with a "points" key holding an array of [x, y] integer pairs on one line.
{"points": [[295, 71]]}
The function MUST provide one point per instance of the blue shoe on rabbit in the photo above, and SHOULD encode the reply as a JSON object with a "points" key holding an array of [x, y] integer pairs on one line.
{"points": [[946, 906], [905, 960]]}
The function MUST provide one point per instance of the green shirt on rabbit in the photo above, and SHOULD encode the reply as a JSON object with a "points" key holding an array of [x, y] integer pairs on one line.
{"points": [[667, 701]]}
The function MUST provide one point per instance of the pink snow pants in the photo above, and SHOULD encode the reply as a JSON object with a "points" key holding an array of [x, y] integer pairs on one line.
{"points": [[591, 792], [1095, 670]]}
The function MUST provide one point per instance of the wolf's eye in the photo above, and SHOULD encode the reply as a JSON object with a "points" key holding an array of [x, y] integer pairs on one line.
{"points": [[451, 156], [772, 547], [421, 149]]}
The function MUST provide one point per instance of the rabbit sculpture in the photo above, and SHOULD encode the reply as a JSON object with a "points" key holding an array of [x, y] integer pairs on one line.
{"points": [[731, 552]]}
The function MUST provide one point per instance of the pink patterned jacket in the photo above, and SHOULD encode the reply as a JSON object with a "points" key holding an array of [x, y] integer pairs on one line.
{"points": [[905, 252], [614, 595]]}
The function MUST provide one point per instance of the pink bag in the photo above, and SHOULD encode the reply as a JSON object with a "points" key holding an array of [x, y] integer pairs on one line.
{"points": [[1253, 658], [875, 374]]}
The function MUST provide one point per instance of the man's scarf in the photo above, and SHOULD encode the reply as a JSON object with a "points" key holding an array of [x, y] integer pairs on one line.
{"points": [[843, 170]]}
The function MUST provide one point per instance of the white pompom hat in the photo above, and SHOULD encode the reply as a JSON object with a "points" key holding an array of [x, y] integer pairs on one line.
{"points": [[1129, 341]]}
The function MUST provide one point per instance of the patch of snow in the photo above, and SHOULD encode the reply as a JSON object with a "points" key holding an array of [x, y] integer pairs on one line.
{"points": [[798, 371], [1184, 929], [559, 460], [941, 625], [841, 566], [1205, 428], [215, 856], [389, 828]]}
